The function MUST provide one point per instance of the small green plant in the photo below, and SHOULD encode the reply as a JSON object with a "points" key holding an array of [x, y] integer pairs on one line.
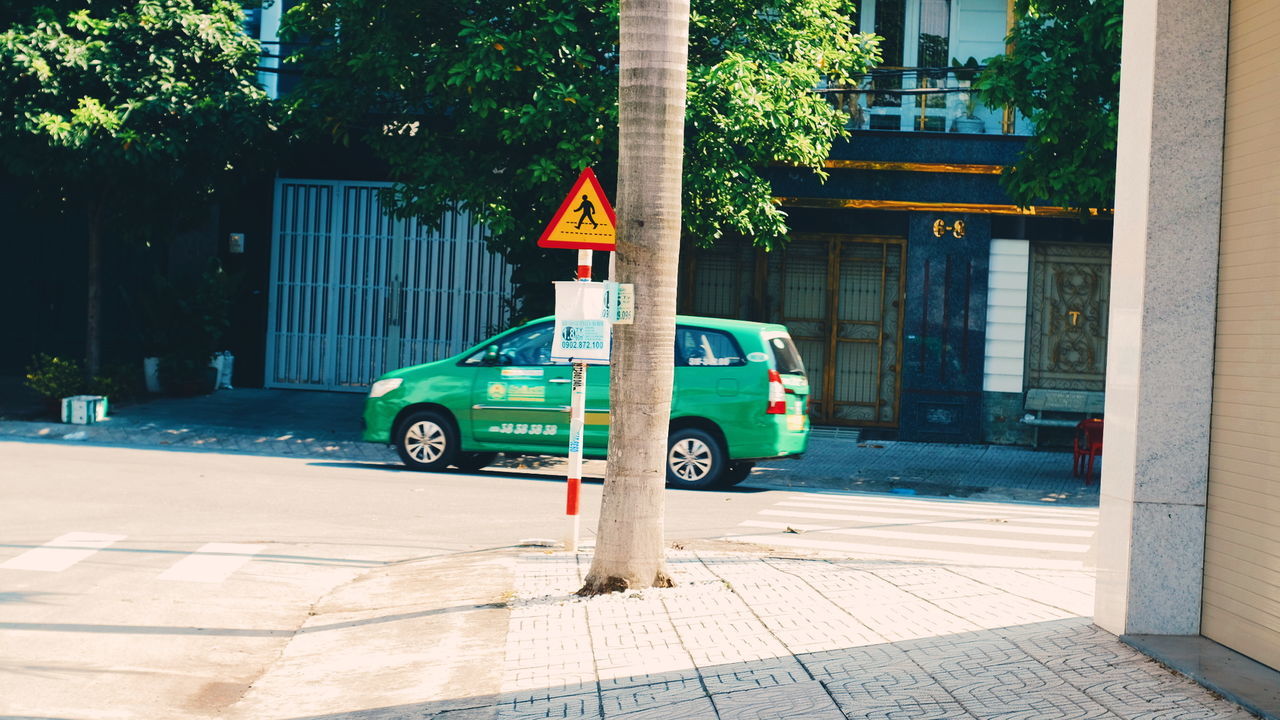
{"points": [[966, 72], [53, 377]]}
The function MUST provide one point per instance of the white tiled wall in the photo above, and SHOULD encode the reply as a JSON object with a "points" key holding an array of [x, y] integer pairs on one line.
{"points": [[1006, 316]]}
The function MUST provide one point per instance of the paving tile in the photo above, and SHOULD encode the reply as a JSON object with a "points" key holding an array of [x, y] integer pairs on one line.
{"points": [[735, 677], [651, 696], [886, 687], [585, 706], [808, 700], [854, 662], [699, 708]]}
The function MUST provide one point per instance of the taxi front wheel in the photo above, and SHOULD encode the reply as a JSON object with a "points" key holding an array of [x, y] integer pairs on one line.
{"points": [[695, 459], [427, 440]]}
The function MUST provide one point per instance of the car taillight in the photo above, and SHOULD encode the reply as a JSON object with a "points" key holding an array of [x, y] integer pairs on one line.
{"points": [[777, 395]]}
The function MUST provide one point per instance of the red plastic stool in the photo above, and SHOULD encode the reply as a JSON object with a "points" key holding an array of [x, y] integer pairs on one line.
{"points": [[1088, 444]]}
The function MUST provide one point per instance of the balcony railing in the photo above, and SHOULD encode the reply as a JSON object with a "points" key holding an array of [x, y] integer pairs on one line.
{"points": [[921, 100]]}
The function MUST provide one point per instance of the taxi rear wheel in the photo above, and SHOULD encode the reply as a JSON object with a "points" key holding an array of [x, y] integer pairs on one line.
{"points": [[695, 459], [427, 440]]}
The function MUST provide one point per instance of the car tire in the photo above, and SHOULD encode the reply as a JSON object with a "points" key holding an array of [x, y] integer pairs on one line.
{"points": [[427, 440], [695, 459], [472, 461], [736, 473]]}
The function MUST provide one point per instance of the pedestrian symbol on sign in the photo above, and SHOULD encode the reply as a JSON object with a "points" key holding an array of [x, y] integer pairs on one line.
{"points": [[588, 210]]}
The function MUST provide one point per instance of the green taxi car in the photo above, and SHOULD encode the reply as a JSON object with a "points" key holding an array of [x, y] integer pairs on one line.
{"points": [[740, 396]]}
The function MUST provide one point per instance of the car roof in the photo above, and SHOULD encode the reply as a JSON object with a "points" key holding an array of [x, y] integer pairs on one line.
{"points": [[710, 322]]}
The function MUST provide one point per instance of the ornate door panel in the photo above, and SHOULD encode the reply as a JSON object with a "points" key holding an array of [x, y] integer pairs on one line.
{"points": [[841, 298], [1067, 328]]}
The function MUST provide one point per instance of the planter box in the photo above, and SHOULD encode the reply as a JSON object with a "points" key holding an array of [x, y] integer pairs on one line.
{"points": [[84, 409]]}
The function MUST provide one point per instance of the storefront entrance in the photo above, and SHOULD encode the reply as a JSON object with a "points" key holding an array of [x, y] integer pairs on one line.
{"points": [[841, 296]]}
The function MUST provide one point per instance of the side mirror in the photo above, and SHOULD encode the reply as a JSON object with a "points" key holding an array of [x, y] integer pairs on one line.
{"points": [[491, 355]]}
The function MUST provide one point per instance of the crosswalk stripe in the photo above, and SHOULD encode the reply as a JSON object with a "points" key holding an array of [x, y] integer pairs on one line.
{"points": [[929, 554], [939, 530], [212, 563], [942, 510], [932, 538], [1019, 527], [61, 553], [944, 504], [899, 515]]}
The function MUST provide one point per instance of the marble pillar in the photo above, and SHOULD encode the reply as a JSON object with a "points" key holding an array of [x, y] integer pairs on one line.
{"points": [[1163, 303]]}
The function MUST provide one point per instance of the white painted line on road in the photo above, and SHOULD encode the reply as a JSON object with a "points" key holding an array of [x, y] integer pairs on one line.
{"points": [[884, 511], [935, 538], [212, 563], [59, 554], [925, 554], [1015, 526], [948, 504]]}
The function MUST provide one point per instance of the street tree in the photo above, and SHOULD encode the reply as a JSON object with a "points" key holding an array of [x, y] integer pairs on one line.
{"points": [[499, 105], [651, 116], [128, 111], [1062, 72]]}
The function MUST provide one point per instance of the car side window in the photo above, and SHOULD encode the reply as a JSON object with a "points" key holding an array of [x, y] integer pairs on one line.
{"points": [[529, 346], [701, 347]]}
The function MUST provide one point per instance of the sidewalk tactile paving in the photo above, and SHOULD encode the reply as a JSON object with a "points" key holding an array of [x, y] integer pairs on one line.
{"points": [[744, 637]]}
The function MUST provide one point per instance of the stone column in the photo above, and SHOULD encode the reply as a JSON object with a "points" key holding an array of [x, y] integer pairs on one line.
{"points": [[1163, 303]]}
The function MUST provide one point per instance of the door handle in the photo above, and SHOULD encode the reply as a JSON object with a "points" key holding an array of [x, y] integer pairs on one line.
{"points": [[560, 380]]}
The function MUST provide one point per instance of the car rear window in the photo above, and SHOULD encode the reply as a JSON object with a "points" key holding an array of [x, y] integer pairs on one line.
{"points": [[701, 347], [786, 359]]}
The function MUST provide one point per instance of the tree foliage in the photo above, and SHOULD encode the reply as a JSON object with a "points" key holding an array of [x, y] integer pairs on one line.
{"points": [[1063, 73], [127, 109], [152, 99], [498, 105]]}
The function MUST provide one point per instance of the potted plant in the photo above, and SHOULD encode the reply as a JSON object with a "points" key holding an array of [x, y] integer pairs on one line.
{"points": [[965, 73], [54, 378]]}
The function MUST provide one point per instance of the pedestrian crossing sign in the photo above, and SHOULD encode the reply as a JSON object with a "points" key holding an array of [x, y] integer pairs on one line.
{"points": [[585, 220]]}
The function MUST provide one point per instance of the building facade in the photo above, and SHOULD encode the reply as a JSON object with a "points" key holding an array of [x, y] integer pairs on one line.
{"points": [[926, 304]]}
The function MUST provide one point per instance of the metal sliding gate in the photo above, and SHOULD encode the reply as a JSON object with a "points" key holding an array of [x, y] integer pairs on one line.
{"points": [[356, 292]]}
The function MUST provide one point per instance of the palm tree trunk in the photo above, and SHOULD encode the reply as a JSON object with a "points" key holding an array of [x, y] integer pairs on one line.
{"points": [[654, 38]]}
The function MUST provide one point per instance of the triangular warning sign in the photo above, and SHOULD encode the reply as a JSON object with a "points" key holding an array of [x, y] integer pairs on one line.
{"points": [[585, 220]]}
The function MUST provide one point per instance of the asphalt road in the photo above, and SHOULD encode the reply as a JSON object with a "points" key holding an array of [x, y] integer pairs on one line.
{"points": [[162, 584], [144, 583]]}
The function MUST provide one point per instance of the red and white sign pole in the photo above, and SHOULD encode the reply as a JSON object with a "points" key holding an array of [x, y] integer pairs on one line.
{"points": [[577, 418], [585, 221]]}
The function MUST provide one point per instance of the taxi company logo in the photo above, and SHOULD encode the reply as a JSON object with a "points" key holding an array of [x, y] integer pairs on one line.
{"points": [[497, 391], [531, 393]]}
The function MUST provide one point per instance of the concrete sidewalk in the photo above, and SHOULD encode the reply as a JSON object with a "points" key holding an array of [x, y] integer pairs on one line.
{"points": [[740, 637], [325, 424]]}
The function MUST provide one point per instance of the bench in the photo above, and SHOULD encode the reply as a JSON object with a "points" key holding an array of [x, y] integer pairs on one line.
{"points": [[1079, 404]]}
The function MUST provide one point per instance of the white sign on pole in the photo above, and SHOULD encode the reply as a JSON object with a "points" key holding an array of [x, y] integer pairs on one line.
{"points": [[620, 302], [582, 328]]}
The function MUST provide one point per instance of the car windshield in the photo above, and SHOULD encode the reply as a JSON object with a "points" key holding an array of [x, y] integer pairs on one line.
{"points": [[786, 359]]}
